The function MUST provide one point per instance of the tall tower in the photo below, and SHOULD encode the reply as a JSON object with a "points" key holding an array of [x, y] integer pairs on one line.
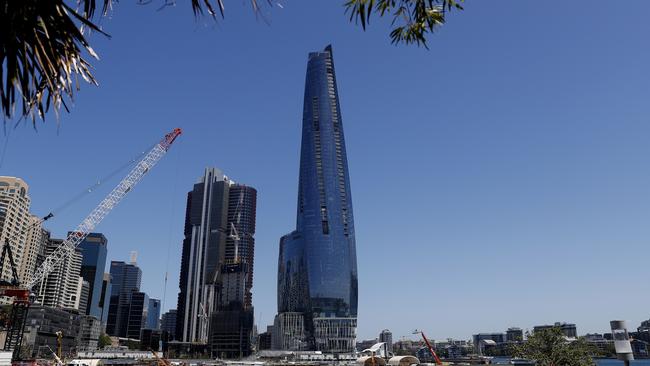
{"points": [[94, 251], [217, 265], [317, 274]]}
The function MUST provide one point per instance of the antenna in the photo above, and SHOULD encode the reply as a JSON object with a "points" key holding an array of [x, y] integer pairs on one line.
{"points": [[134, 257]]}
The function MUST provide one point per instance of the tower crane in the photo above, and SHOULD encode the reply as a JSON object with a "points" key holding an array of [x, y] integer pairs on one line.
{"points": [[21, 292]]}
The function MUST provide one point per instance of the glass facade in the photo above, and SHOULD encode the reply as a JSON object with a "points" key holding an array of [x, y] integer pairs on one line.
{"points": [[93, 263], [317, 272]]}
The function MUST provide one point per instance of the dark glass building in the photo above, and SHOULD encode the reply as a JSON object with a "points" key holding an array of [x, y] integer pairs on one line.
{"points": [[93, 251], [153, 316], [217, 266], [126, 282], [317, 272]]}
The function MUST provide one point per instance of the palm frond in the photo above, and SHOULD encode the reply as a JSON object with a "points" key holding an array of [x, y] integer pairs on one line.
{"points": [[412, 20]]}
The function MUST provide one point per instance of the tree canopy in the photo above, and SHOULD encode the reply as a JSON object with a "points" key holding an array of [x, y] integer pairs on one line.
{"points": [[44, 49], [549, 347]]}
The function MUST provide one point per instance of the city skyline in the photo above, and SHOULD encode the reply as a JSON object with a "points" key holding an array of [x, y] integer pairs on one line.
{"points": [[495, 162]]}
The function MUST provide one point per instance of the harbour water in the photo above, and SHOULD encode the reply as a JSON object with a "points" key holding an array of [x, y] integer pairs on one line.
{"points": [[610, 362]]}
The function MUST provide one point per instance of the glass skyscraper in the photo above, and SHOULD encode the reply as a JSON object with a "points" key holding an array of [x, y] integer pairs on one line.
{"points": [[317, 271], [93, 263]]}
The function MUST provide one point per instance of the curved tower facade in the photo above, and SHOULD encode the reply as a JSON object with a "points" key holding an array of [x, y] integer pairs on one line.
{"points": [[317, 272]]}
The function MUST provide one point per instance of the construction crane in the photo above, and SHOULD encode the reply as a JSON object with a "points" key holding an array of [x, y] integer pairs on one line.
{"points": [[21, 292], [426, 341]]}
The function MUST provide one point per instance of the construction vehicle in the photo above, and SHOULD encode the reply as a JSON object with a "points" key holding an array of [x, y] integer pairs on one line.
{"points": [[21, 293], [429, 346]]}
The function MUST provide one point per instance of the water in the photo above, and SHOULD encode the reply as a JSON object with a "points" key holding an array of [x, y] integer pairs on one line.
{"points": [[610, 362]]}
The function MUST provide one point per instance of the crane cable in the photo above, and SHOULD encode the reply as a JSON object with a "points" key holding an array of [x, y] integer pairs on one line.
{"points": [[169, 233], [76, 198]]}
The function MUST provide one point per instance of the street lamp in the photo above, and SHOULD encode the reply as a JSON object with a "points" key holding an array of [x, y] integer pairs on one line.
{"points": [[621, 341]]}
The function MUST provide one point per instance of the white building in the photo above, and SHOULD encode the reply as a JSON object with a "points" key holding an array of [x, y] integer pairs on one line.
{"points": [[14, 220], [61, 288], [37, 237]]}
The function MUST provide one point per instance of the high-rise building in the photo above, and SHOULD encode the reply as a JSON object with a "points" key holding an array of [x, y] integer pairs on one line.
{"points": [[386, 336], [105, 298], [217, 258], [93, 250], [61, 287], [137, 310], [83, 291], [168, 322], [14, 220], [317, 274], [153, 315], [126, 282], [37, 238]]}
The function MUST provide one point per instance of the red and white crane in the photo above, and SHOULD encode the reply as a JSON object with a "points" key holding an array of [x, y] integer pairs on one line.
{"points": [[21, 292]]}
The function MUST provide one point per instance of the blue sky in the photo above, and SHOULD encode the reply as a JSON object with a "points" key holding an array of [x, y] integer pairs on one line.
{"points": [[499, 179]]}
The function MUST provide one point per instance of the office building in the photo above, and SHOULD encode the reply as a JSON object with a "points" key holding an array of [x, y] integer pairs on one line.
{"points": [[61, 287], [568, 329], [83, 291], [514, 335], [317, 269], [150, 339], [37, 238], [217, 260], [42, 324], [126, 278], [105, 298], [482, 341], [137, 309], [153, 315], [386, 336], [168, 323], [89, 332], [14, 220], [93, 250]]}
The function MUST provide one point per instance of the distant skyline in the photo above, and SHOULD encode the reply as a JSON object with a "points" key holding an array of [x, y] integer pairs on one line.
{"points": [[499, 179]]}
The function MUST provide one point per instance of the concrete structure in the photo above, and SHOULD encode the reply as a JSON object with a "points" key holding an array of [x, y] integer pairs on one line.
{"points": [[89, 332], [386, 336], [219, 230], [83, 294], [41, 327], [93, 264], [289, 332], [37, 238], [61, 287], [317, 265], [217, 266], [14, 220], [265, 340]]}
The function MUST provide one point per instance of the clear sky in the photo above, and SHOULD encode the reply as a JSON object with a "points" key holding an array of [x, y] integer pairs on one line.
{"points": [[500, 179]]}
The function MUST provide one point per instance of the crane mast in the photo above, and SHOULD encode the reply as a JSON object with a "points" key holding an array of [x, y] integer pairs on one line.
{"points": [[105, 206]]}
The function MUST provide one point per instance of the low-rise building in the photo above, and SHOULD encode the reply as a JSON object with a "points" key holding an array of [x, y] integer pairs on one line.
{"points": [[568, 329], [41, 327]]}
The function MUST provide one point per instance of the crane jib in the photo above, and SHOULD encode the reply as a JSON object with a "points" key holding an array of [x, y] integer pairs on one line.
{"points": [[77, 235]]}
